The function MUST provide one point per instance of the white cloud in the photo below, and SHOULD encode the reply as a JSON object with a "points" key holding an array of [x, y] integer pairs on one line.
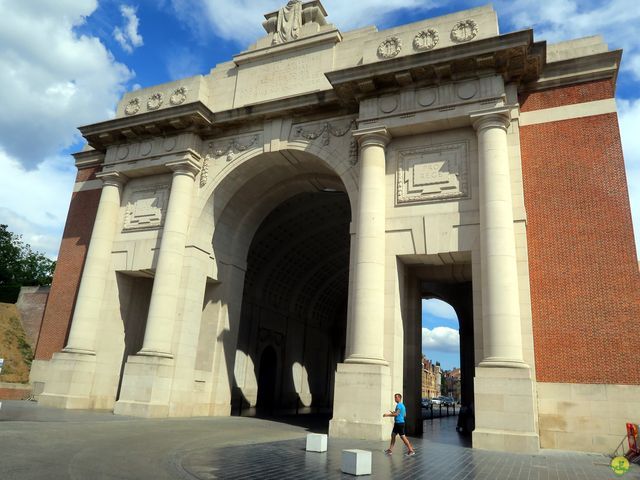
{"points": [[34, 203], [53, 79], [629, 113], [437, 308], [560, 20], [127, 35], [440, 339], [241, 20]]}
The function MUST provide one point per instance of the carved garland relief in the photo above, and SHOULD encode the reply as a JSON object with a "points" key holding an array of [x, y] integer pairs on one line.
{"points": [[433, 173], [233, 147], [326, 131]]}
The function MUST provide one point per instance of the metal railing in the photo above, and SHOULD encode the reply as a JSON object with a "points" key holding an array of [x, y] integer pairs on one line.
{"points": [[438, 411]]}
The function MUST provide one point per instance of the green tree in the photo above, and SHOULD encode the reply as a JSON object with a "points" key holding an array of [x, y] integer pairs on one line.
{"points": [[20, 265], [10, 254]]}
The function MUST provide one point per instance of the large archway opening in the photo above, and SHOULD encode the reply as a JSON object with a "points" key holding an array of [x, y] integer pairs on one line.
{"points": [[294, 307]]}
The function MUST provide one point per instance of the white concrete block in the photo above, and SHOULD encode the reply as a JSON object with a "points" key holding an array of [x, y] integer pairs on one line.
{"points": [[316, 442], [356, 462]]}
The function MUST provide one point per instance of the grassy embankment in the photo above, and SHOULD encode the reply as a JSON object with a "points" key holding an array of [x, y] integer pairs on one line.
{"points": [[14, 347]]}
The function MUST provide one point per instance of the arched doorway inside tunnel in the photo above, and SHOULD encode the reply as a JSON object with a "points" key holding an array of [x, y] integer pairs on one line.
{"points": [[294, 307], [267, 378]]}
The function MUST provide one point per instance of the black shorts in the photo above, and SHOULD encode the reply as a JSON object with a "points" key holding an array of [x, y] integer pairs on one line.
{"points": [[398, 428]]}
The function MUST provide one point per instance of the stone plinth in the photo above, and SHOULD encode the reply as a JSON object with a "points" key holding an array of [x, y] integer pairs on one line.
{"points": [[316, 442], [356, 462]]}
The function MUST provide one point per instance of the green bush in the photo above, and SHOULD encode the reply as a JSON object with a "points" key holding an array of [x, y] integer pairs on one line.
{"points": [[9, 293]]}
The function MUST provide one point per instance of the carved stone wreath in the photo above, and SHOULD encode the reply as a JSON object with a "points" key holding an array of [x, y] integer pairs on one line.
{"points": [[426, 39], [155, 101], [132, 107], [390, 47], [179, 96], [464, 30]]}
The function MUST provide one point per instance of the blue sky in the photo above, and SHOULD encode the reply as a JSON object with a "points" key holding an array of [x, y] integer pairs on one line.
{"points": [[440, 337], [66, 63]]}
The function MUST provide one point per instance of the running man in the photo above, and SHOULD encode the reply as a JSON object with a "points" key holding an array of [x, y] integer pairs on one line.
{"points": [[398, 426]]}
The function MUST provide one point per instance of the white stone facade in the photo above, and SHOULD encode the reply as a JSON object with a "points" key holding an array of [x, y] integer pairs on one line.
{"points": [[417, 126]]}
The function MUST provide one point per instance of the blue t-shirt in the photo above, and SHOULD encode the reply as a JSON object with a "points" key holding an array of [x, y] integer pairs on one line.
{"points": [[402, 412]]}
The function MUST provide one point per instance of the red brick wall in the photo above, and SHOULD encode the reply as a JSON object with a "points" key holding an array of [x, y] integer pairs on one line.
{"points": [[14, 393], [585, 282], [66, 279], [558, 97]]}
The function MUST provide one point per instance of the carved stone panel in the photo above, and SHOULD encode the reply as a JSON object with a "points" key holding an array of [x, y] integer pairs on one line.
{"points": [[432, 173], [146, 208]]}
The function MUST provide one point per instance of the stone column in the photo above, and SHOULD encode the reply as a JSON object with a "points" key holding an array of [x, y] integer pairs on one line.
{"points": [[94, 276], [363, 382], [366, 343], [505, 399], [166, 284], [500, 293]]}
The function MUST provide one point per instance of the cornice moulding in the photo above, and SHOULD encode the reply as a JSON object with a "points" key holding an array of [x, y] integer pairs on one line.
{"points": [[190, 117], [88, 159], [599, 66], [514, 55]]}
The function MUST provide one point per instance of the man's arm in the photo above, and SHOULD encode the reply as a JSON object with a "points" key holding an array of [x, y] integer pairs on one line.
{"points": [[392, 414]]}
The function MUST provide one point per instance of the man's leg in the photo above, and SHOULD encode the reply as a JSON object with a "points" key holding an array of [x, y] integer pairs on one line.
{"points": [[393, 442], [405, 440]]}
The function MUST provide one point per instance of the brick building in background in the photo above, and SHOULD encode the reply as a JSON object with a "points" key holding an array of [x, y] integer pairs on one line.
{"points": [[261, 237], [452, 381], [431, 378]]}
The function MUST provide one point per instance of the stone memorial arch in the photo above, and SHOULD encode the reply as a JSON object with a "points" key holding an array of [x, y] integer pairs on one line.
{"points": [[261, 237]]}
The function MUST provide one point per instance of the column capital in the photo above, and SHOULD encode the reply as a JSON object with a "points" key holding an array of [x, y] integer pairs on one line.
{"points": [[372, 136], [114, 179], [189, 165], [499, 117]]}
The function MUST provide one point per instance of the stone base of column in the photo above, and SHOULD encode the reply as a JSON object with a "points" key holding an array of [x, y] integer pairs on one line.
{"points": [[220, 410], [362, 394], [505, 411], [68, 381], [146, 387]]}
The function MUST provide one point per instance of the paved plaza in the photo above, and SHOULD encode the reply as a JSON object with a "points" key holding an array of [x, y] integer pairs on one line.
{"points": [[43, 443]]}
